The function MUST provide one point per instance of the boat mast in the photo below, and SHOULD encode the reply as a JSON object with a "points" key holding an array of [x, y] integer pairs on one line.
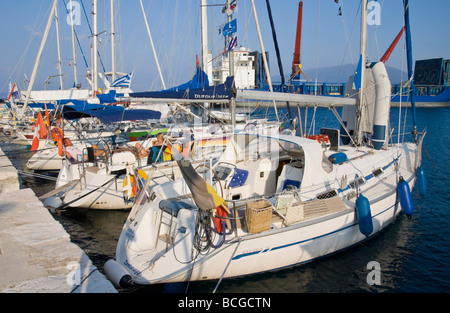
{"points": [[38, 57], [410, 64], [263, 53], [232, 103], [153, 46], [72, 23], [204, 33], [230, 53], [204, 27], [363, 60], [277, 50], [95, 47], [113, 44], [58, 44]]}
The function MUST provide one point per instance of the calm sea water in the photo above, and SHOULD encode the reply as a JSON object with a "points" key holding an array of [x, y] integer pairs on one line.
{"points": [[413, 254]]}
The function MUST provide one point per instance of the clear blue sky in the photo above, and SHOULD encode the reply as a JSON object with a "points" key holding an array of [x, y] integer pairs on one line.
{"points": [[175, 27]]}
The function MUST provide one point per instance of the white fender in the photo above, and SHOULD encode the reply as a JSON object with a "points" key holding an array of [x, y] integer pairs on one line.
{"points": [[382, 105], [53, 203], [117, 274]]}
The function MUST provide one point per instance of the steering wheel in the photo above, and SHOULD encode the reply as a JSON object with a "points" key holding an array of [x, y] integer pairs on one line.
{"points": [[215, 175]]}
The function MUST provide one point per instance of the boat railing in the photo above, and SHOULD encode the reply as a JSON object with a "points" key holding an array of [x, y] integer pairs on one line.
{"points": [[420, 90], [106, 159], [282, 209], [310, 88]]}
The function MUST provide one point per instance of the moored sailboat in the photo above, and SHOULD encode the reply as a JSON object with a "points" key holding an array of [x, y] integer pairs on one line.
{"points": [[274, 201]]}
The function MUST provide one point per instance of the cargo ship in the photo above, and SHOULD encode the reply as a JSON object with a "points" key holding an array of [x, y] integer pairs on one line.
{"points": [[431, 76], [431, 81], [432, 84]]}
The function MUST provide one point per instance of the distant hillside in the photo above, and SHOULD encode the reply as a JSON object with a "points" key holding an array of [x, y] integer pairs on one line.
{"points": [[338, 74]]}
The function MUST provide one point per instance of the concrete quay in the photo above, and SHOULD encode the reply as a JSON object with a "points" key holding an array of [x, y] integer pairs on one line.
{"points": [[36, 254]]}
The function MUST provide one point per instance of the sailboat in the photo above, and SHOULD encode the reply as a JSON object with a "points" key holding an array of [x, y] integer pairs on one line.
{"points": [[272, 202]]}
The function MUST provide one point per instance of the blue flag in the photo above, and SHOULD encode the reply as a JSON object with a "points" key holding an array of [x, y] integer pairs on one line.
{"points": [[230, 28]]}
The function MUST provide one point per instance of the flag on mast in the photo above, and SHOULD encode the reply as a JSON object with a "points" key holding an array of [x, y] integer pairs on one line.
{"points": [[40, 132], [14, 93], [124, 81], [230, 28], [232, 44]]}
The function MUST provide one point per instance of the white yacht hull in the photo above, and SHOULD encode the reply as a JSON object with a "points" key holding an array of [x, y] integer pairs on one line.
{"points": [[158, 247]]}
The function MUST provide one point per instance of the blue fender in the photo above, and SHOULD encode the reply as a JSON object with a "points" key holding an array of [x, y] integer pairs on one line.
{"points": [[364, 215], [404, 193], [421, 180]]}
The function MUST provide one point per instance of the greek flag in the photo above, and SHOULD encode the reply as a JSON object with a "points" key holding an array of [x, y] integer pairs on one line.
{"points": [[123, 81]]}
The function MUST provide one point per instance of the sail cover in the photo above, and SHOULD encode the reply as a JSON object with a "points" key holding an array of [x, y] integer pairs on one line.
{"points": [[200, 80], [196, 89], [108, 114]]}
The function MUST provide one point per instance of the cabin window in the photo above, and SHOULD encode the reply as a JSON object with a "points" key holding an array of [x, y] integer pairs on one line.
{"points": [[357, 182], [327, 194], [377, 172]]}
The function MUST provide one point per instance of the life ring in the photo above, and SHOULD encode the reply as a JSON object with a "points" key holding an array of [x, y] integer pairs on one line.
{"points": [[56, 133], [220, 213]]}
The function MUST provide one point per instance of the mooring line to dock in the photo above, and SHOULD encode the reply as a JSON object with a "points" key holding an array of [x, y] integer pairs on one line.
{"points": [[24, 151], [37, 175], [228, 264]]}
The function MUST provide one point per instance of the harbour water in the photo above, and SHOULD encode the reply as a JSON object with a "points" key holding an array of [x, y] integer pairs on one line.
{"points": [[412, 254]]}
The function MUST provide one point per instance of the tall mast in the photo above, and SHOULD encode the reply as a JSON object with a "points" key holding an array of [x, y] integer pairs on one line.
{"points": [[38, 57], [153, 47], [277, 50], [410, 64], [363, 49], [74, 61], [204, 27], [95, 47], [113, 44], [230, 53], [263, 53], [59, 50]]}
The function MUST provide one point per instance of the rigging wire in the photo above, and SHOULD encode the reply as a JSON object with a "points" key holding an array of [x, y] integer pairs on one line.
{"points": [[33, 34], [317, 48], [348, 38]]}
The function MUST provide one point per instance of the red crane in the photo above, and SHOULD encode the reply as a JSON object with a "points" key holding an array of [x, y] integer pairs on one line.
{"points": [[387, 54], [296, 65]]}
